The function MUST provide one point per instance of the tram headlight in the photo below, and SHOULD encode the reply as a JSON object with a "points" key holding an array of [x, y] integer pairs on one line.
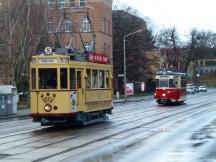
{"points": [[47, 107], [163, 94]]}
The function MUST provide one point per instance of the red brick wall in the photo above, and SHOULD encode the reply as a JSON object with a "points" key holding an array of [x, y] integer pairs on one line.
{"points": [[99, 10]]}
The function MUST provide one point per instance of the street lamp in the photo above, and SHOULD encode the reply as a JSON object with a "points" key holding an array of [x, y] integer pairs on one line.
{"points": [[125, 77]]}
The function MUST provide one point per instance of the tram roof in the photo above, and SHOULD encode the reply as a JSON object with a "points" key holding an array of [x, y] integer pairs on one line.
{"points": [[76, 55], [171, 72]]}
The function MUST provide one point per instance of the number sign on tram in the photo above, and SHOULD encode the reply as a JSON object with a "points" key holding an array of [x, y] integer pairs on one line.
{"points": [[48, 50]]}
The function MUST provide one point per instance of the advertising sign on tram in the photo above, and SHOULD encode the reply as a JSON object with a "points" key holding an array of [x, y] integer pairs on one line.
{"points": [[98, 58]]}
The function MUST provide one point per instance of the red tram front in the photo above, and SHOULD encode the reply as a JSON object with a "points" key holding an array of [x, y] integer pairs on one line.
{"points": [[170, 87]]}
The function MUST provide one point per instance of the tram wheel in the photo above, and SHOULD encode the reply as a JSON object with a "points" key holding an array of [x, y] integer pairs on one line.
{"points": [[181, 102]]}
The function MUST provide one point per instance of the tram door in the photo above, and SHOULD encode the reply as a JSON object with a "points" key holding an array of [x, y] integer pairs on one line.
{"points": [[80, 88]]}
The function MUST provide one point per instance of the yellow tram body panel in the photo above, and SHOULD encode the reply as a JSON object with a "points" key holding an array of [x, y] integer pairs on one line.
{"points": [[97, 99], [67, 100], [58, 100]]}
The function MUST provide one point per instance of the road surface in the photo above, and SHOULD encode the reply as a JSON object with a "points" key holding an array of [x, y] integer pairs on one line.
{"points": [[140, 131]]}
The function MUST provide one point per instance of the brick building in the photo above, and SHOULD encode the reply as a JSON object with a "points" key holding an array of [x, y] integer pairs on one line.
{"points": [[70, 19]]}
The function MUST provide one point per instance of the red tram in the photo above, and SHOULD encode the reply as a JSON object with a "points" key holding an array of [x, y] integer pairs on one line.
{"points": [[170, 87]]}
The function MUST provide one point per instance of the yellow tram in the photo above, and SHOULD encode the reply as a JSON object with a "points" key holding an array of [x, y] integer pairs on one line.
{"points": [[69, 87]]}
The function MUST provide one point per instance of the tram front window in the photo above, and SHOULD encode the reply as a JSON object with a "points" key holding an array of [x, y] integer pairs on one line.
{"points": [[47, 78], [164, 83]]}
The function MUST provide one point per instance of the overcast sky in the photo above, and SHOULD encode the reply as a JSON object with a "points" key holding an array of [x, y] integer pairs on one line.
{"points": [[183, 14]]}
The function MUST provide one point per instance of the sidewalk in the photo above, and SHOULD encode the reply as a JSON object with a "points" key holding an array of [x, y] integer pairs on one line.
{"points": [[26, 112], [20, 113]]}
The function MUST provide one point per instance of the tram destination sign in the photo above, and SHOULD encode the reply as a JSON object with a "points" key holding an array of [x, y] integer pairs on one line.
{"points": [[98, 58], [47, 60]]}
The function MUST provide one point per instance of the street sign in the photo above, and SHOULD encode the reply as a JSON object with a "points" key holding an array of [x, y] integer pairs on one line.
{"points": [[142, 86], [129, 89], [120, 75]]}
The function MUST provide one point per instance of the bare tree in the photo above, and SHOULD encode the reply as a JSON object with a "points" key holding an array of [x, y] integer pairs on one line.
{"points": [[21, 35], [168, 40]]}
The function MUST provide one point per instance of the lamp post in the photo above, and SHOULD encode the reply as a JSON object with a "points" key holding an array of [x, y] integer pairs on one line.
{"points": [[125, 70]]}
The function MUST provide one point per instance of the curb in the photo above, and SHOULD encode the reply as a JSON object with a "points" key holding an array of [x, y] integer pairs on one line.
{"points": [[133, 100], [13, 116]]}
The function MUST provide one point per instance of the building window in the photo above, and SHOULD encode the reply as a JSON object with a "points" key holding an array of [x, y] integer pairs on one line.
{"points": [[82, 3], [109, 27], [72, 3], [105, 48], [86, 25], [109, 51], [68, 26], [49, 25], [1, 71], [51, 4], [104, 25], [61, 4], [87, 46]]}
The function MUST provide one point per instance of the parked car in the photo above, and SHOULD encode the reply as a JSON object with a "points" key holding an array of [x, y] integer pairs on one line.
{"points": [[196, 89], [203, 88], [190, 89], [188, 85]]}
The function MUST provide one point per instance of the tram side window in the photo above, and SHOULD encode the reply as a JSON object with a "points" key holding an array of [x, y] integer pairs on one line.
{"points": [[88, 78], [177, 81], [94, 78], [33, 76], [79, 79], [183, 82], [47, 78], [101, 79], [72, 79], [63, 78], [157, 82], [172, 83], [107, 80]]}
